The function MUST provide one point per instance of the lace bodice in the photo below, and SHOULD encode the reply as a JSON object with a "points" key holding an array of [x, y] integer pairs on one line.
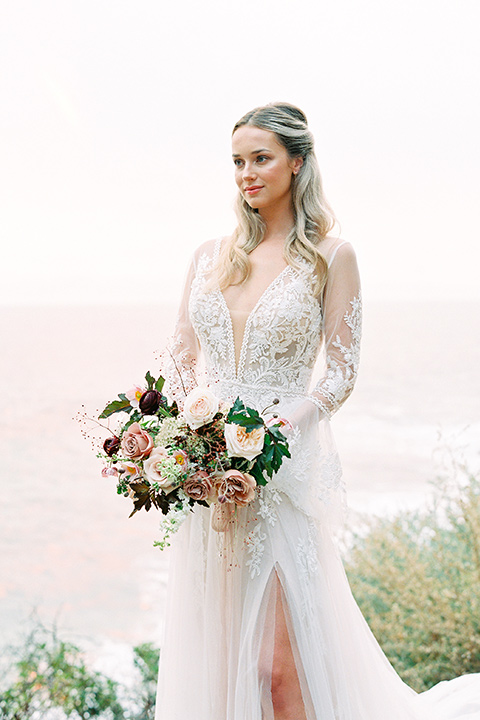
{"points": [[283, 334]]}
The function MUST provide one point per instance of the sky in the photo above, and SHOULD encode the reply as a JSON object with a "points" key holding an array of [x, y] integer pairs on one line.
{"points": [[115, 159]]}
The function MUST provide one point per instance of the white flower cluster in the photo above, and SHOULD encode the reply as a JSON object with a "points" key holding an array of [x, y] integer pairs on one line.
{"points": [[173, 521]]}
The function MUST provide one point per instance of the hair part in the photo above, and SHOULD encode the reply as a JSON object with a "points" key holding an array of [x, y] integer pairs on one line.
{"points": [[313, 218]]}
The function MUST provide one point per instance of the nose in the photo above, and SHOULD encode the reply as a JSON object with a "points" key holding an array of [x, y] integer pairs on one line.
{"points": [[248, 171]]}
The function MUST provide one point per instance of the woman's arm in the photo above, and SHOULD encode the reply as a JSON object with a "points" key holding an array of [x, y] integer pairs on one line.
{"points": [[181, 356], [342, 317]]}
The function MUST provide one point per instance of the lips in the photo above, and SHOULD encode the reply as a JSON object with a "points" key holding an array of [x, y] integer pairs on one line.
{"points": [[252, 189]]}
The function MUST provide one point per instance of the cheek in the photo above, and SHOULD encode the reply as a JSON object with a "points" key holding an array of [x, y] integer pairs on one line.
{"points": [[279, 180]]}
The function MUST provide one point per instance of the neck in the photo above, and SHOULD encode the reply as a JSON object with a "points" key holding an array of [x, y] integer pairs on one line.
{"points": [[278, 223]]}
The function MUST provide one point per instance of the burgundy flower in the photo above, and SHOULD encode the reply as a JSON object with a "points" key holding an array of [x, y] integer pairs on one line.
{"points": [[111, 445], [150, 402]]}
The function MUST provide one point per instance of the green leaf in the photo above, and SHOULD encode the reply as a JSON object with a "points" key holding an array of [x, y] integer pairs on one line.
{"points": [[279, 452], [268, 453], [150, 380], [165, 413], [237, 407], [135, 416], [159, 384], [241, 464], [257, 473], [245, 416], [249, 423], [122, 405], [277, 434]]}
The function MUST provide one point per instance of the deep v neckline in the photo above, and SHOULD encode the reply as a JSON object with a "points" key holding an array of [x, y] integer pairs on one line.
{"points": [[237, 370]]}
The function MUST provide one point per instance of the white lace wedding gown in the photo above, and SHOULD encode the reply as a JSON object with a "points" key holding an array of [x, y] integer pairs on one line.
{"points": [[220, 610]]}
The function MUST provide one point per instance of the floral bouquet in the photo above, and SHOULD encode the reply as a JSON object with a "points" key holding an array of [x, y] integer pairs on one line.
{"points": [[207, 453]]}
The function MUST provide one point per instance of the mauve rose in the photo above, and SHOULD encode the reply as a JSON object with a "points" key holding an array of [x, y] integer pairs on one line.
{"points": [[150, 402], [198, 486], [136, 443], [111, 445], [236, 487], [241, 443]]}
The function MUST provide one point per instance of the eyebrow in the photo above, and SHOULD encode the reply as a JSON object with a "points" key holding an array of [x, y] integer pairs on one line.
{"points": [[254, 152]]}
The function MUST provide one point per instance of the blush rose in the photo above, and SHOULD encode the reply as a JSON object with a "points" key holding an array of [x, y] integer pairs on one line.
{"points": [[200, 407], [152, 467]]}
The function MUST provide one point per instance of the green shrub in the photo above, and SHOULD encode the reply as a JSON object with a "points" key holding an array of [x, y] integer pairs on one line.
{"points": [[47, 673], [146, 660], [50, 673], [416, 578]]}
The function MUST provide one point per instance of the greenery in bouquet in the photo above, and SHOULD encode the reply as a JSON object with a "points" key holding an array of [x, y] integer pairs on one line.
{"points": [[209, 452]]}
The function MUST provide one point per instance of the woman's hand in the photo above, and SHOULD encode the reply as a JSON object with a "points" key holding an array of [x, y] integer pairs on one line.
{"points": [[306, 415]]}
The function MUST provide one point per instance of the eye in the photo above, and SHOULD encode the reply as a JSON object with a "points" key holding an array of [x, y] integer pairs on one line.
{"points": [[261, 158], [237, 162]]}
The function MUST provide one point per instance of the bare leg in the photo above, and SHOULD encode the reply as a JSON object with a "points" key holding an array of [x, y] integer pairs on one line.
{"points": [[278, 663]]}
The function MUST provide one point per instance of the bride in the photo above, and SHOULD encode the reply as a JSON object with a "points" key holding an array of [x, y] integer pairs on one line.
{"points": [[261, 623]]}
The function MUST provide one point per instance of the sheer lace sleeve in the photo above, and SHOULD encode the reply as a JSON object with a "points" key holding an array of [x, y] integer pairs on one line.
{"points": [[342, 318], [181, 356]]}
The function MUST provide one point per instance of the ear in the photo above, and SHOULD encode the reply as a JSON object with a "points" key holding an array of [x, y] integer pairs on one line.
{"points": [[296, 164]]}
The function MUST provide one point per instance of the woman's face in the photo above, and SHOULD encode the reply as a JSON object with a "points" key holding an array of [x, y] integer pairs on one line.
{"points": [[263, 168]]}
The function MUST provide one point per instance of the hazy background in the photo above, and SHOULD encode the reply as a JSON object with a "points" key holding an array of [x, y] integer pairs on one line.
{"points": [[115, 164], [116, 129]]}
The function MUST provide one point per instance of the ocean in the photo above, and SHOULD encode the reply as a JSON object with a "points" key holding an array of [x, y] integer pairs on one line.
{"points": [[70, 553]]}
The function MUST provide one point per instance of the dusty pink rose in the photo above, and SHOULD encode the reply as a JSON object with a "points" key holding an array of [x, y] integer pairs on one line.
{"points": [[152, 467], [136, 443], [241, 443], [198, 486], [236, 487]]}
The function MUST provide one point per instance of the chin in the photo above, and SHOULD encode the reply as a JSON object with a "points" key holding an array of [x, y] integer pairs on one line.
{"points": [[253, 203]]}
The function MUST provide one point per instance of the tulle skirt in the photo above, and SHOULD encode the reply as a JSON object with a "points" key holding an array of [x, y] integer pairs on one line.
{"points": [[216, 658]]}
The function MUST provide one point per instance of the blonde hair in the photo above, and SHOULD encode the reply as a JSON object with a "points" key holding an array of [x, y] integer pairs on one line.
{"points": [[313, 217]]}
